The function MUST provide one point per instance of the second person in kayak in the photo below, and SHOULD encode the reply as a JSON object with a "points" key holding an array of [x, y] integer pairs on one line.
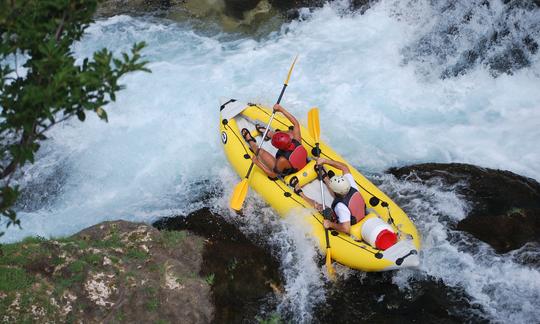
{"points": [[291, 155], [348, 206]]}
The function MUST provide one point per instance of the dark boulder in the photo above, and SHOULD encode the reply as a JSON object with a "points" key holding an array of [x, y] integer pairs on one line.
{"points": [[236, 8], [505, 206], [285, 5], [108, 8], [374, 298], [245, 276]]}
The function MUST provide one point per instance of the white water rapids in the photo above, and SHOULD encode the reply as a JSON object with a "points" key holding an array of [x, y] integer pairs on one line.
{"points": [[377, 80]]}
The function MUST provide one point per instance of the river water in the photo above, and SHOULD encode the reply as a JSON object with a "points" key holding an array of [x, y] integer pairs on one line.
{"points": [[406, 82]]}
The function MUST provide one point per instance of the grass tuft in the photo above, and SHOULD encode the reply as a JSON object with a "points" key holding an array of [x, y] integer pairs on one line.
{"points": [[210, 279], [171, 239], [14, 279]]}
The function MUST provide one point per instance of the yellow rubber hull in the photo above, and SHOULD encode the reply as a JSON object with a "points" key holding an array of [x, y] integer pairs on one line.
{"points": [[346, 250]]}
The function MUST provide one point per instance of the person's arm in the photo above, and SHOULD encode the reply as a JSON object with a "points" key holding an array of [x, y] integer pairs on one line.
{"points": [[326, 181], [312, 202], [343, 227], [336, 164], [343, 223], [296, 129], [264, 167]]}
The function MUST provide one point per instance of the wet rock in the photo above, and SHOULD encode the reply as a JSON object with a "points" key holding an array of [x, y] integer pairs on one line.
{"points": [[285, 5], [291, 8], [373, 298], [505, 206], [110, 8], [236, 8], [529, 255], [244, 276]]}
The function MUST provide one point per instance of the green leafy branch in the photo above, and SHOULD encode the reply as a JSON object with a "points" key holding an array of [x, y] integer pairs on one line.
{"points": [[49, 87]]}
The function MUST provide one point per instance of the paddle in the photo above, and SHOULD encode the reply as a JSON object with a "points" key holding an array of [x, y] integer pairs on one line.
{"points": [[241, 189], [314, 131]]}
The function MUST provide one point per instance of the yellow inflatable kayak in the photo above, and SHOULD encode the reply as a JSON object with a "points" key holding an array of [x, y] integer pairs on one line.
{"points": [[350, 250]]}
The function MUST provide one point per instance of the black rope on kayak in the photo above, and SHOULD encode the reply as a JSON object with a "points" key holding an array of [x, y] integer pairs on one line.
{"points": [[363, 247], [239, 139], [288, 194], [372, 195]]}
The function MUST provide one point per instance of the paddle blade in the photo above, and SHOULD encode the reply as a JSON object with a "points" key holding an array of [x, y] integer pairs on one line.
{"points": [[313, 123], [239, 195], [329, 266], [290, 71]]}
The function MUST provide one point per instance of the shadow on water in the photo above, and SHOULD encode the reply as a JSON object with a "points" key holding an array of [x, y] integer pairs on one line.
{"points": [[243, 276]]}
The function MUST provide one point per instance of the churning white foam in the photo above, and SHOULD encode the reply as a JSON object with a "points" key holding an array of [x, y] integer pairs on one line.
{"points": [[297, 251], [161, 145]]}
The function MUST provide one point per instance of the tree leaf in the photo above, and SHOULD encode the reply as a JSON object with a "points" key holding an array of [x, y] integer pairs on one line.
{"points": [[81, 115]]}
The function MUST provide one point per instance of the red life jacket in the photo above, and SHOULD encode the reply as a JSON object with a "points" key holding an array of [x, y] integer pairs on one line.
{"points": [[355, 203], [297, 157]]}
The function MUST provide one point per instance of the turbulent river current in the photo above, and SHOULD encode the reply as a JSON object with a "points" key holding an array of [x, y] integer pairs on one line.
{"points": [[403, 83]]}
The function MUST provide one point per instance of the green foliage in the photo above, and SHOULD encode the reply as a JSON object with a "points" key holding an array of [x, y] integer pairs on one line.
{"points": [[120, 316], [82, 244], [111, 242], [33, 240], [171, 239], [13, 279], [41, 82], [162, 321], [93, 259], [77, 266], [25, 253], [273, 319], [62, 284], [210, 279], [152, 304], [134, 253]]}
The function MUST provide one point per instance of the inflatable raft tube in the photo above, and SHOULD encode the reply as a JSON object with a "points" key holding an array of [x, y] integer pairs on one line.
{"points": [[350, 250]]}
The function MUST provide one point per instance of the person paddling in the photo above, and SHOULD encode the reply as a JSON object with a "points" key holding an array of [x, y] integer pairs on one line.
{"points": [[291, 155], [348, 205]]}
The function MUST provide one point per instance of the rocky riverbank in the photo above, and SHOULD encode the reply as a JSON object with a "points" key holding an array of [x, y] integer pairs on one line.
{"points": [[238, 9], [231, 15], [131, 272], [111, 272]]}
